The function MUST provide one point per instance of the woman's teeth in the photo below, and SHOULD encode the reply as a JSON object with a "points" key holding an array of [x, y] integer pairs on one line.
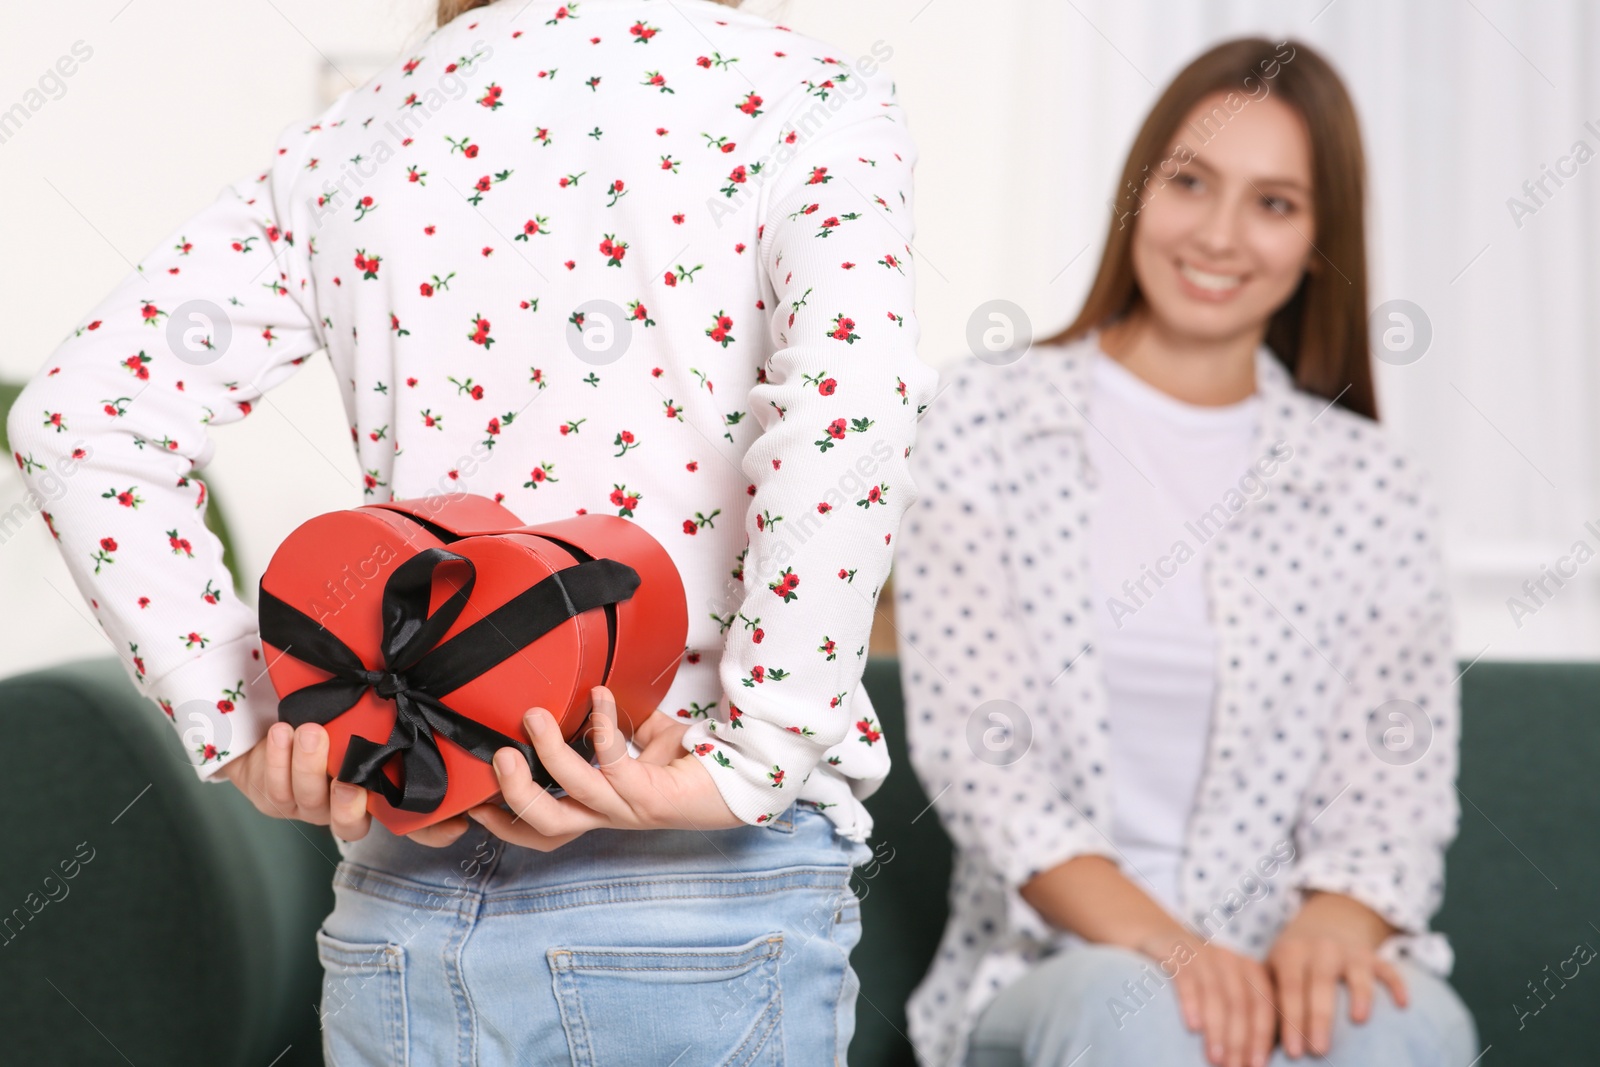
{"points": [[1215, 283]]}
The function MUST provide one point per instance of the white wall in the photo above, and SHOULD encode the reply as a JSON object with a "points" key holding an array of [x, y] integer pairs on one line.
{"points": [[1022, 110]]}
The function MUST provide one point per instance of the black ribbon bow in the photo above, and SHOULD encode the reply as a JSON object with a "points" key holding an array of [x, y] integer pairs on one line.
{"points": [[418, 670]]}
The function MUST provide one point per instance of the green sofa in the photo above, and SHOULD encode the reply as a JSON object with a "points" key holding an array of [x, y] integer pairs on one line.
{"points": [[147, 918]]}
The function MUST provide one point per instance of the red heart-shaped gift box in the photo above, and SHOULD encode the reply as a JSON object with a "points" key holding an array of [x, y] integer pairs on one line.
{"points": [[420, 632]]}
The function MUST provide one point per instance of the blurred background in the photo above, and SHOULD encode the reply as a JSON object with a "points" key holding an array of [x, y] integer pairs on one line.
{"points": [[1482, 124]]}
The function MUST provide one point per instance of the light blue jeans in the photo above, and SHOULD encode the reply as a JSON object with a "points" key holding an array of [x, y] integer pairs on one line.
{"points": [[620, 949], [1059, 1014]]}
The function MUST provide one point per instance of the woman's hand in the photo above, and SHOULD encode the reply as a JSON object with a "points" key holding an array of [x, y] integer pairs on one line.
{"points": [[285, 775], [1226, 996], [1333, 938], [622, 793]]}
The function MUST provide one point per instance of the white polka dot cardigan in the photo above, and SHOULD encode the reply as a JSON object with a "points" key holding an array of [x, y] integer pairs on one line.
{"points": [[1329, 599]]}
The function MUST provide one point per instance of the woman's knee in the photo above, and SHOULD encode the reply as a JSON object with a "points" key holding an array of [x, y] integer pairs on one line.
{"points": [[1120, 1002], [1114, 986]]}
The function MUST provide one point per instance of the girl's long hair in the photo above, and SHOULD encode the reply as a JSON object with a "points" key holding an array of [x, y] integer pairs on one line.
{"points": [[1320, 334], [449, 9]]}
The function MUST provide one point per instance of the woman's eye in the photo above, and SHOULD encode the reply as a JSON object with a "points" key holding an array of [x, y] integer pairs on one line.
{"points": [[1277, 204], [1188, 181]]}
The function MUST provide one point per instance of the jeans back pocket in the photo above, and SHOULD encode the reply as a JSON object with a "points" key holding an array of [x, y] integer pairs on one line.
{"points": [[363, 1002], [706, 1007]]}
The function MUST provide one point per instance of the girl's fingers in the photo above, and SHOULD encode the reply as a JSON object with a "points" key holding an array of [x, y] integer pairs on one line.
{"points": [[610, 747], [347, 811], [650, 729], [661, 750], [583, 782], [276, 786], [441, 834], [531, 804], [308, 773], [506, 827], [620, 770], [1390, 976]]}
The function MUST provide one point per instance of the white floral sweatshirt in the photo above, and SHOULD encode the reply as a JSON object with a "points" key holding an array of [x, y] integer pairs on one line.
{"points": [[615, 256]]}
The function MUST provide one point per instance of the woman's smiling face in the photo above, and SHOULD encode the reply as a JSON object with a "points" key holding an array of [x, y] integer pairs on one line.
{"points": [[1220, 247]]}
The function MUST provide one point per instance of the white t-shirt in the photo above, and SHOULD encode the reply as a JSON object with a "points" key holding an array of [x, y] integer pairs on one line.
{"points": [[1162, 464]]}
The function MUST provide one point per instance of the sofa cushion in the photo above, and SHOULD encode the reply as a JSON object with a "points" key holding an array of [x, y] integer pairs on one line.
{"points": [[184, 932], [1522, 886]]}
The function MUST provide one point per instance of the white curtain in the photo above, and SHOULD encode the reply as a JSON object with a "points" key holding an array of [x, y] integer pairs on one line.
{"points": [[1022, 110]]}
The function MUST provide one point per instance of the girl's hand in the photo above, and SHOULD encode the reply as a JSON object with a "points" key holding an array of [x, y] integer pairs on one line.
{"points": [[622, 793], [1333, 937], [659, 738], [1226, 996], [285, 775]]}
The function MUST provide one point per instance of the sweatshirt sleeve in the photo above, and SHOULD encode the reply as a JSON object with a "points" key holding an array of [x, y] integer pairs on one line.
{"points": [[109, 434], [828, 476]]}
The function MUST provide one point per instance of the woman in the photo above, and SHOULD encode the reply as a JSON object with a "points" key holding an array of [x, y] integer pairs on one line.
{"points": [[1177, 648], [629, 256]]}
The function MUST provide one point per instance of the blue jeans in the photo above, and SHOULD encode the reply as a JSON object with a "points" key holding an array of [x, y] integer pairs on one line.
{"points": [[1059, 1013], [620, 949]]}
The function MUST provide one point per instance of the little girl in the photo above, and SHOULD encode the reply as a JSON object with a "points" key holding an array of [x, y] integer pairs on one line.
{"points": [[631, 256]]}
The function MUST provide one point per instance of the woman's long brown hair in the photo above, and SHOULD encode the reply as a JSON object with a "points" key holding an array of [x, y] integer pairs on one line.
{"points": [[449, 9], [1320, 334]]}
